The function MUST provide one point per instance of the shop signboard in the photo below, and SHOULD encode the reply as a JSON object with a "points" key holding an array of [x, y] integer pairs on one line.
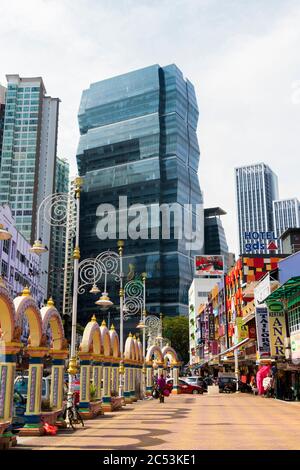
{"points": [[277, 331], [262, 291], [206, 330], [203, 330], [251, 332], [262, 330], [211, 326], [295, 348], [209, 265], [214, 347], [275, 306], [242, 330]]}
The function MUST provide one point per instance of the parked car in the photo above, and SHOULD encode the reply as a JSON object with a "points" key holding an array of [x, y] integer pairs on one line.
{"points": [[210, 380], [21, 386], [227, 384], [196, 380], [185, 387]]}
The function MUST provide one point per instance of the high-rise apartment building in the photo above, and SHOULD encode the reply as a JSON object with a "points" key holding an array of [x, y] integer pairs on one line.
{"points": [[58, 240], [2, 110], [286, 213], [68, 262], [27, 172], [138, 139], [256, 189]]}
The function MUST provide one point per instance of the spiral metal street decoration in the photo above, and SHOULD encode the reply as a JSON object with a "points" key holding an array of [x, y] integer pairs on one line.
{"points": [[152, 323], [90, 272], [153, 328], [55, 209], [133, 299], [109, 262], [133, 306]]}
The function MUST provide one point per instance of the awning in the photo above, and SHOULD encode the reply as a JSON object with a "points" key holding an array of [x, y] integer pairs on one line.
{"points": [[236, 346], [287, 291], [248, 317]]}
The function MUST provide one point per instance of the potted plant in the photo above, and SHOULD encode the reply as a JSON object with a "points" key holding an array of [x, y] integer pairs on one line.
{"points": [[93, 391]]}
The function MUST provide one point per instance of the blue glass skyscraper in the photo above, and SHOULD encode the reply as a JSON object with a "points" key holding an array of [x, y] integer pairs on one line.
{"points": [[138, 139]]}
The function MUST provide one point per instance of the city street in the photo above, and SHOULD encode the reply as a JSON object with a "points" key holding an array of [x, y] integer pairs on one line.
{"points": [[235, 421]]}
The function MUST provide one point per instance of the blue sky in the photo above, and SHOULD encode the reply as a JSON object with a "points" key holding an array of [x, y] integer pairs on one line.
{"points": [[243, 58]]}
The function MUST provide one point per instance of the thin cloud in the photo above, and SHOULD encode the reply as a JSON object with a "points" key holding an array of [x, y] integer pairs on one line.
{"points": [[243, 58]]}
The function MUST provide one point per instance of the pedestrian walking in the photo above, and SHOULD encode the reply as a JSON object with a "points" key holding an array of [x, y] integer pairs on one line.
{"points": [[161, 384]]}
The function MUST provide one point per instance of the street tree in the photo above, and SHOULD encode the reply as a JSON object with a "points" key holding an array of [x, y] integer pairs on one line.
{"points": [[176, 329]]}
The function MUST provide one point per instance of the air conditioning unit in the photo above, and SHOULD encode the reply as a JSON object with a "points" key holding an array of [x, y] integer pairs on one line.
{"points": [[287, 342]]}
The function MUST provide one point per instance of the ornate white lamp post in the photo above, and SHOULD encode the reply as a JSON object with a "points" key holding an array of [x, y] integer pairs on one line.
{"points": [[55, 209], [91, 272]]}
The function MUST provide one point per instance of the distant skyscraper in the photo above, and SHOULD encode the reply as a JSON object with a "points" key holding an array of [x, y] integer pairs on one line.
{"points": [[256, 189], [138, 139], [214, 234], [27, 169], [69, 269], [286, 213], [58, 240]]}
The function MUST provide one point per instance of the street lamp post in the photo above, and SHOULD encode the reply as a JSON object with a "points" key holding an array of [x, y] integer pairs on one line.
{"points": [[144, 277], [132, 295], [76, 257], [54, 209], [91, 271]]}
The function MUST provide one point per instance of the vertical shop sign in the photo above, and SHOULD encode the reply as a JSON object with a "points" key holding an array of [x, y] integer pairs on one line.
{"points": [[277, 333], [206, 334], [262, 328], [242, 330], [211, 326]]}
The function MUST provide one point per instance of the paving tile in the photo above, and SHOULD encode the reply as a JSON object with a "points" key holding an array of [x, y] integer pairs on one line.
{"points": [[211, 422]]}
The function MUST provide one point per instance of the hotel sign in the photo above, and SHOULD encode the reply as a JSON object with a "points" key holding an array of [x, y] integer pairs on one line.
{"points": [[260, 241]]}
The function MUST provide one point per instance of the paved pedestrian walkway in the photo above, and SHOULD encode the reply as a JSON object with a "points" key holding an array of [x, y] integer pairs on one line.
{"points": [[233, 421]]}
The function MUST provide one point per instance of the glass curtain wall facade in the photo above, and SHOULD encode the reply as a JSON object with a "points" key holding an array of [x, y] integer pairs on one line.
{"points": [[256, 189], [138, 139], [214, 234]]}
